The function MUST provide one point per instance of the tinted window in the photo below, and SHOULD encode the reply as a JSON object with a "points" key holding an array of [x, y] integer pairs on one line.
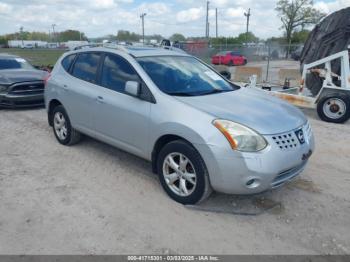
{"points": [[116, 72], [67, 61], [14, 63], [86, 66]]}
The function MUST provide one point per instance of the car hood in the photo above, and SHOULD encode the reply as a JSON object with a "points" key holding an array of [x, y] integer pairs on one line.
{"points": [[250, 107], [11, 76]]}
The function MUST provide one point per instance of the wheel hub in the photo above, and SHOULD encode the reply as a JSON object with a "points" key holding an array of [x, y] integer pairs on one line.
{"points": [[334, 108]]}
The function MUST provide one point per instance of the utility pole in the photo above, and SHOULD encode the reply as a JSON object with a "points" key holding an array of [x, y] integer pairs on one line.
{"points": [[21, 34], [248, 16], [216, 22], [143, 27], [207, 22], [53, 31]]}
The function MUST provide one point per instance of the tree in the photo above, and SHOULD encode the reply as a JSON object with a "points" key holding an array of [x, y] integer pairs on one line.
{"points": [[296, 14], [239, 40], [177, 37], [300, 37], [71, 35], [249, 38], [124, 36]]}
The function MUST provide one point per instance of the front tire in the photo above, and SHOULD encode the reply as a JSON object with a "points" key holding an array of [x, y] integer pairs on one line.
{"points": [[334, 108], [182, 173], [62, 128]]}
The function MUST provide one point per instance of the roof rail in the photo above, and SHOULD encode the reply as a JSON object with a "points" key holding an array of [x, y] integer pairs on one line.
{"points": [[86, 46], [116, 46]]}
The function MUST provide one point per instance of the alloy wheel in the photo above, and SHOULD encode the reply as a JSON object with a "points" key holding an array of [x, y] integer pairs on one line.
{"points": [[60, 125], [179, 174]]}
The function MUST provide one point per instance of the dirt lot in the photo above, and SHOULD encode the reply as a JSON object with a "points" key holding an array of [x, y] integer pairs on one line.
{"points": [[94, 199]]}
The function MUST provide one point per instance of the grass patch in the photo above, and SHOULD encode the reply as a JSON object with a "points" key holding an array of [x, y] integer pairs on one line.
{"points": [[37, 57]]}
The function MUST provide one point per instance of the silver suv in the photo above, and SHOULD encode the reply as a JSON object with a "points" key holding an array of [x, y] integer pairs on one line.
{"points": [[200, 131]]}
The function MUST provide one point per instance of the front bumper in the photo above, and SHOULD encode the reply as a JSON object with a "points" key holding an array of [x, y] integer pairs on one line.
{"points": [[23, 94], [235, 172], [16, 101]]}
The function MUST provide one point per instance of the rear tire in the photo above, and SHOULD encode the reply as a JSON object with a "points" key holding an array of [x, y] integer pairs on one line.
{"points": [[334, 108], [62, 128], [182, 173]]}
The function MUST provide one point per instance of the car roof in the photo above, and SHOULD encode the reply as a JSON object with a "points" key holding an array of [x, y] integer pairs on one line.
{"points": [[137, 51]]}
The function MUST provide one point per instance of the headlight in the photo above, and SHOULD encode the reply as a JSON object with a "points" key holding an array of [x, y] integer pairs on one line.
{"points": [[241, 138]]}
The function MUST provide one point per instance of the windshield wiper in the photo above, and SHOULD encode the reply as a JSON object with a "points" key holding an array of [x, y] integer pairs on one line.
{"points": [[181, 94], [214, 91]]}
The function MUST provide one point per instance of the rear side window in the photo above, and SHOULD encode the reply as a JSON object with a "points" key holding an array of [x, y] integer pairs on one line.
{"points": [[67, 61], [116, 72], [86, 66]]}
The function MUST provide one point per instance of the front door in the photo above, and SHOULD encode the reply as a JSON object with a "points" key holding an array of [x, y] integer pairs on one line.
{"points": [[121, 119]]}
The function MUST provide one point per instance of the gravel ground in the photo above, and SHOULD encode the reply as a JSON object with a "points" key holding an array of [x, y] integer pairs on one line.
{"points": [[95, 199]]}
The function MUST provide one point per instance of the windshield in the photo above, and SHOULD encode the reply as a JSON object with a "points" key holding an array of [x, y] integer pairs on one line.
{"points": [[14, 63], [184, 76]]}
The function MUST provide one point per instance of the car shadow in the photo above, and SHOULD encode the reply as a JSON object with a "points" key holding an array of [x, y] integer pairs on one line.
{"points": [[246, 205]]}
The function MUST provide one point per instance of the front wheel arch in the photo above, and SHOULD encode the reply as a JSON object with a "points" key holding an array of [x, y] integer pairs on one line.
{"points": [[160, 143]]}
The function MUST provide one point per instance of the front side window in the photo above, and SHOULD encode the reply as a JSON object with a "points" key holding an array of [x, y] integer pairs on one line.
{"points": [[86, 66], [184, 76], [14, 63], [116, 72]]}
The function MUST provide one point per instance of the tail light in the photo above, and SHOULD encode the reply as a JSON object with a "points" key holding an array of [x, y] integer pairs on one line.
{"points": [[46, 78]]}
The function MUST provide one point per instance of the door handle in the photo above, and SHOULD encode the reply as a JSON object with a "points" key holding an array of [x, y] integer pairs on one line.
{"points": [[100, 100]]}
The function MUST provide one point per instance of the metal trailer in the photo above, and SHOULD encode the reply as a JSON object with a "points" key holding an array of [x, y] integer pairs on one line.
{"points": [[332, 102]]}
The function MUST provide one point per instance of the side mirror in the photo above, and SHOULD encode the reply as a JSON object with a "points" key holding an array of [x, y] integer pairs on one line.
{"points": [[226, 74], [133, 88]]}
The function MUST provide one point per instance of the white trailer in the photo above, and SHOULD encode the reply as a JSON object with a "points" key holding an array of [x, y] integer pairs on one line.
{"points": [[332, 102]]}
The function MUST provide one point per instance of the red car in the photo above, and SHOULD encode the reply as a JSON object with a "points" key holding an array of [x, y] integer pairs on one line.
{"points": [[228, 58]]}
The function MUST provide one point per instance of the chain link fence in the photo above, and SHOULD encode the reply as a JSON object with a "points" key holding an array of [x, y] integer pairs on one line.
{"points": [[274, 63]]}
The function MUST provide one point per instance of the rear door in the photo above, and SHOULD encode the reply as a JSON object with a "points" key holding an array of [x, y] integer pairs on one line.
{"points": [[80, 90]]}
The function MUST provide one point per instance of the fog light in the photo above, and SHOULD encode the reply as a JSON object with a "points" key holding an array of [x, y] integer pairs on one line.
{"points": [[252, 183]]}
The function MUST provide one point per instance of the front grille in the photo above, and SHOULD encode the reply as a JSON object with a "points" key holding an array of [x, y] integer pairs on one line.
{"points": [[287, 175], [27, 88], [286, 141], [289, 140]]}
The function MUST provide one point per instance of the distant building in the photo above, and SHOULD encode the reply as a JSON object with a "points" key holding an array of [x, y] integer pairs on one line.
{"points": [[24, 43]]}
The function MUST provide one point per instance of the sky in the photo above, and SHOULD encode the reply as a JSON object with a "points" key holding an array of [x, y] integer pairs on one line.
{"points": [[102, 17]]}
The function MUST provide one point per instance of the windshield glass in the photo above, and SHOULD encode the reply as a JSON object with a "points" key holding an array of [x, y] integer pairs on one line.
{"points": [[14, 63], [184, 76]]}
